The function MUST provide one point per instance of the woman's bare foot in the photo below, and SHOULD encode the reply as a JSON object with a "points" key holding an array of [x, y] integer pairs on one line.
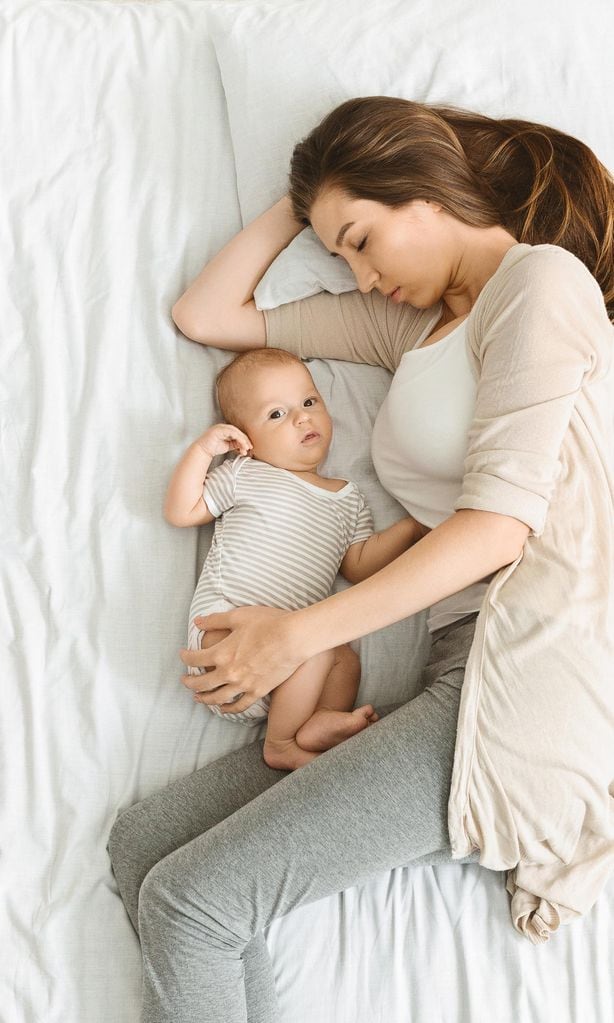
{"points": [[327, 728]]}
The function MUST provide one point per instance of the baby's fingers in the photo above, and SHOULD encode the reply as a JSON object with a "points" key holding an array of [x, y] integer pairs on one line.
{"points": [[240, 440]]}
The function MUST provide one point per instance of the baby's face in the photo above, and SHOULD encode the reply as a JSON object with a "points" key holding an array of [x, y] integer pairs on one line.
{"points": [[286, 419]]}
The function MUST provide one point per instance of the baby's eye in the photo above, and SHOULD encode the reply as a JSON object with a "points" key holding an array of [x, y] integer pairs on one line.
{"points": [[276, 414], [309, 401]]}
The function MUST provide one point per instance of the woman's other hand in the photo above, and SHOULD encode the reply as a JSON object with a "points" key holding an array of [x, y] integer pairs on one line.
{"points": [[258, 655]]}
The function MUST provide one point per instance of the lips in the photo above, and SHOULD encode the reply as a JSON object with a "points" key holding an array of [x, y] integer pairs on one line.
{"points": [[310, 437], [395, 296]]}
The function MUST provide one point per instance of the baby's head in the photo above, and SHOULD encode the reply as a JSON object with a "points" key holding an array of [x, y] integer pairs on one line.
{"points": [[270, 395]]}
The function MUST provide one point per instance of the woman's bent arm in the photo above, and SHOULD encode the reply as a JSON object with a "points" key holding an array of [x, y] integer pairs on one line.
{"points": [[259, 655], [467, 547], [218, 308]]}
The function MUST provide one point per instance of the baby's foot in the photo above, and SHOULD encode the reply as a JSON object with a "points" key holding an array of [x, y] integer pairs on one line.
{"points": [[327, 728], [286, 755]]}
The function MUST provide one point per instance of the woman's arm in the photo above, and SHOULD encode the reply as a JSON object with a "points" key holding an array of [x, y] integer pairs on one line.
{"points": [[218, 307], [365, 558], [260, 654], [462, 550]]}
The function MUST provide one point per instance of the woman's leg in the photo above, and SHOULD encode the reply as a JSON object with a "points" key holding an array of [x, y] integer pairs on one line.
{"points": [[377, 801], [147, 832]]}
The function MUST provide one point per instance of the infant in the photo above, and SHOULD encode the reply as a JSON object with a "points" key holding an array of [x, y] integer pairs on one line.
{"points": [[282, 532]]}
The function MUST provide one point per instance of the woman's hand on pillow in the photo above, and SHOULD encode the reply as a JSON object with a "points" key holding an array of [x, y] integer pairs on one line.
{"points": [[252, 660]]}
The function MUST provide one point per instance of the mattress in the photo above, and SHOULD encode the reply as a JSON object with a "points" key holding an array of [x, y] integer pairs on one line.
{"points": [[118, 181]]}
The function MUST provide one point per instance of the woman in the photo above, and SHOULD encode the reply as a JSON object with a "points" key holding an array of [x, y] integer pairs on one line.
{"points": [[459, 230]]}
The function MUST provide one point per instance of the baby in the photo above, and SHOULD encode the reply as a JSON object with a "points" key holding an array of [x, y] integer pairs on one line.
{"points": [[282, 533]]}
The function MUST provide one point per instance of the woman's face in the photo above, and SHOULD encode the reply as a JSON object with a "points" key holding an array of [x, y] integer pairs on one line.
{"points": [[414, 249]]}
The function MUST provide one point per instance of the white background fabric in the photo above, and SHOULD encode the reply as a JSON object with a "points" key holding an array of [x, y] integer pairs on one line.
{"points": [[117, 178]]}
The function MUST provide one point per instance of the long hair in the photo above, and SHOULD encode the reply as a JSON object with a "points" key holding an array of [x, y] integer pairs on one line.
{"points": [[542, 185]]}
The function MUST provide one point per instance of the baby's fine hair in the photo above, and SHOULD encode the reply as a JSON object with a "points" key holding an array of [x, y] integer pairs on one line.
{"points": [[231, 380]]}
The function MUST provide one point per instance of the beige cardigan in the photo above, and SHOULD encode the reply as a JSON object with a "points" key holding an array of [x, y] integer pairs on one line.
{"points": [[533, 778]]}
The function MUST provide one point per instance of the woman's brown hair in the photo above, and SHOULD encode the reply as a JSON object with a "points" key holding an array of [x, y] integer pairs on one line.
{"points": [[542, 185]]}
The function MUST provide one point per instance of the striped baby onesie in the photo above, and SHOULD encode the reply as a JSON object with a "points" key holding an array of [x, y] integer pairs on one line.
{"points": [[278, 539]]}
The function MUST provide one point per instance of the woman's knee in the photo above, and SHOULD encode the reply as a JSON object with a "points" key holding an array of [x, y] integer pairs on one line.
{"points": [[157, 893], [170, 898], [125, 864], [121, 836]]}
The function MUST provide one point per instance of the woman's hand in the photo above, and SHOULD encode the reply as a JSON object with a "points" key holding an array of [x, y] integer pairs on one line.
{"points": [[258, 655]]}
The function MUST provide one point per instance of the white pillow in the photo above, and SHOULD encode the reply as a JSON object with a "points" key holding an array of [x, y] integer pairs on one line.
{"points": [[300, 270], [284, 68]]}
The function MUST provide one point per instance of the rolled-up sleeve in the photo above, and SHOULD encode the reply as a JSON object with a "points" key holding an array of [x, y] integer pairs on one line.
{"points": [[356, 327], [539, 335]]}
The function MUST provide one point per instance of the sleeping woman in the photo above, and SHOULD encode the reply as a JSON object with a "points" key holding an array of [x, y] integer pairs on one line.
{"points": [[483, 252]]}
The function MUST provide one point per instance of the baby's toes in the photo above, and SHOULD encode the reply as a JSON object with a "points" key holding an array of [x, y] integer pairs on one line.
{"points": [[366, 710]]}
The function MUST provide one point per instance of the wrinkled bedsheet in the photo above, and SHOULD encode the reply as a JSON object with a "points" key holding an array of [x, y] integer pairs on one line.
{"points": [[117, 183]]}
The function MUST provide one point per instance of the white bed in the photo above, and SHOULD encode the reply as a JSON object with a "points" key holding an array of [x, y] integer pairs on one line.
{"points": [[137, 137]]}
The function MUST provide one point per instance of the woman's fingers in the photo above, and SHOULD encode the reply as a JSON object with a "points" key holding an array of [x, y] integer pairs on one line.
{"points": [[200, 683], [221, 695], [236, 708], [197, 658], [227, 700], [217, 693], [219, 620]]}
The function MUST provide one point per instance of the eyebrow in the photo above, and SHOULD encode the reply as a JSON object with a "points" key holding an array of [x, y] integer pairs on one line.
{"points": [[341, 235]]}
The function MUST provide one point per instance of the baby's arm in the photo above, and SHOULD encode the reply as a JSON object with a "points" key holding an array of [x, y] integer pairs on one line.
{"points": [[366, 557], [184, 504]]}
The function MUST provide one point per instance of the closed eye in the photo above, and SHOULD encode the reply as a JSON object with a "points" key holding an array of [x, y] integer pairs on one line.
{"points": [[359, 248]]}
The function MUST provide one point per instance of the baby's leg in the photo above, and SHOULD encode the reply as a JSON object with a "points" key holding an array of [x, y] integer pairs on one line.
{"points": [[322, 691], [330, 722]]}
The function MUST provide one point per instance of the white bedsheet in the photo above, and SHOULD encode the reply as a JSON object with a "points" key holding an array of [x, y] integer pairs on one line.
{"points": [[117, 182]]}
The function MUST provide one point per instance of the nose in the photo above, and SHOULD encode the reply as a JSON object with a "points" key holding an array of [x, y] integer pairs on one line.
{"points": [[303, 415], [366, 279]]}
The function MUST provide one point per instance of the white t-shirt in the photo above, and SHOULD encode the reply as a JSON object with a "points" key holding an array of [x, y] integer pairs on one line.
{"points": [[419, 443]]}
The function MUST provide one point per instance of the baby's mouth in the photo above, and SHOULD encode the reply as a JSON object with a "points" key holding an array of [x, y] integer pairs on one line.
{"points": [[310, 436]]}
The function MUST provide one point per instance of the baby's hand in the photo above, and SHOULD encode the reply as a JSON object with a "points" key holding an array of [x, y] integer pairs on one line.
{"points": [[222, 438]]}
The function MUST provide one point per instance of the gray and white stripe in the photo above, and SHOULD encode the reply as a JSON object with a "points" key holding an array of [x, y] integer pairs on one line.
{"points": [[278, 539]]}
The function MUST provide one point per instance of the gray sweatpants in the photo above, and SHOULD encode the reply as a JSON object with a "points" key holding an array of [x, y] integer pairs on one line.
{"points": [[206, 864]]}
